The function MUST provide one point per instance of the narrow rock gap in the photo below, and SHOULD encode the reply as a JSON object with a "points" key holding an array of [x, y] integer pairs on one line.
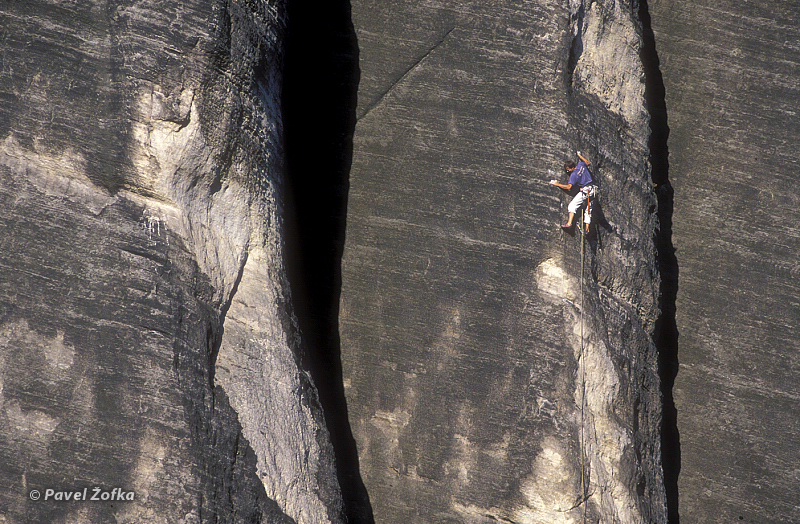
{"points": [[666, 333], [321, 78]]}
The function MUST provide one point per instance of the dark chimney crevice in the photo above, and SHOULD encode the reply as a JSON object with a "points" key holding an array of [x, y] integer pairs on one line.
{"points": [[319, 106], [666, 332]]}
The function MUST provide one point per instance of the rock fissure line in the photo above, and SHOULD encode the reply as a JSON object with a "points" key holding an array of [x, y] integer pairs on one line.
{"points": [[666, 332], [408, 71]]}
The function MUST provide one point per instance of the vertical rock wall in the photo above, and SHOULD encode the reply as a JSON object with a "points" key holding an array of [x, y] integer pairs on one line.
{"points": [[146, 336], [461, 298], [731, 76]]}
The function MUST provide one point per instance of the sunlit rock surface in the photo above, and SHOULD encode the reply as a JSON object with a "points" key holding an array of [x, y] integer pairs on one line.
{"points": [[147, 340], [730, 74], [461, 306], [168, 171]]}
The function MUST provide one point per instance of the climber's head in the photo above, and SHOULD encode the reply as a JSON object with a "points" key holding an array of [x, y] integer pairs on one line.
{"points": [[569, 165]]}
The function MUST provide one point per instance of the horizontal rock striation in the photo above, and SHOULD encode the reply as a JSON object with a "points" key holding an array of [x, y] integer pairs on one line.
{"points": [[473, 396], [730, 75], [168, 171], [147, 337]]}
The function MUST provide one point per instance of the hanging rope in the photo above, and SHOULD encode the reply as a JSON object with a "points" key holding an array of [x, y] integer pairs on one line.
{"points": [[583, 383]]}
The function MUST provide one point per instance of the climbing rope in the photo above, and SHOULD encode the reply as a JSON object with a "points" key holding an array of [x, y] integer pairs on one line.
{"points": [[583, 496], [583, 384]]}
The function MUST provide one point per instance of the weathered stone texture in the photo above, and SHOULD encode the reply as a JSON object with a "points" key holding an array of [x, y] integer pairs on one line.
{"points": [[146, 337], [731, 74], [460, 317]]}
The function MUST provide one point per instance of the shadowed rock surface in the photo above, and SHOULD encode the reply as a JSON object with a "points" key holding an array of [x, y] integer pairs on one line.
{"points": [[168, 170], [730, 74], [460, 316], [147, 340]]}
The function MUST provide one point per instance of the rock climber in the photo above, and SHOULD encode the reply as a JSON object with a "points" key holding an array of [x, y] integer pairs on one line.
{"points": [[580, 185]]}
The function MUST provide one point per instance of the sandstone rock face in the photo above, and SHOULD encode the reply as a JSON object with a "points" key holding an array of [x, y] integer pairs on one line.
{"points": [[461, 311], [158, 164], [146, 335], [730, 74]]}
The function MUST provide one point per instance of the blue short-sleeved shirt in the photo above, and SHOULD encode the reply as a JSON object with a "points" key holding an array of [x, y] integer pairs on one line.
{"points": [[580, 176]]}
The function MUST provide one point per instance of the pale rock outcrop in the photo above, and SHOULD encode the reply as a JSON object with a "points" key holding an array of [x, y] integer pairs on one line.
{"points": [[148, 337]]}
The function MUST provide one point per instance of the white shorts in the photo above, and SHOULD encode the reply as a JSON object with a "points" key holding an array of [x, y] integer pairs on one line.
{"points": [[586, 193]]}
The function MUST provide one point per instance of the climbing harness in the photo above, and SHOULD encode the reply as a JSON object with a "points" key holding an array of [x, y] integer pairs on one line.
{"points": [[591, 192]]}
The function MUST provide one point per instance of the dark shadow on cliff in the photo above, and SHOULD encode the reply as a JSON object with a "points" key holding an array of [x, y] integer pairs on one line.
{"points": [[319, 102], [599, 220], [666, 333]]}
